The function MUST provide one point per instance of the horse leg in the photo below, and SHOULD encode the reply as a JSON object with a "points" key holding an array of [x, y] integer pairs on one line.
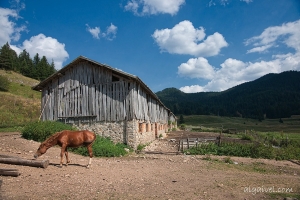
{"points": [[62, 153], [67, 156], [90, 150]]}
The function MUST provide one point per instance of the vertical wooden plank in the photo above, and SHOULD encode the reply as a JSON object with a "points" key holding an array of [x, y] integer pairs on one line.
{"points": [[113, 102], [104, 108], [97, 102], [128, 101], [83, 103], [108, 102], [100, 103]]}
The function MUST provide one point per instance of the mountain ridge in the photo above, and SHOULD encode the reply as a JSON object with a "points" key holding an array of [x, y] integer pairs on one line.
{"points": [[272, 96]]}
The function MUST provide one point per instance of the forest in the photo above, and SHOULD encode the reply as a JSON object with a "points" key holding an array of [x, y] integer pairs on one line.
{"points": [[36, 68], [271, 96]]}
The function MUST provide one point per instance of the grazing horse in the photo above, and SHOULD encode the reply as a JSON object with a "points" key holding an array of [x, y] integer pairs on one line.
{"points": [[67, 139]]}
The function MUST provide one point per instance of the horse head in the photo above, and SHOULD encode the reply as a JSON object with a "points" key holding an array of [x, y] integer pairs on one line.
{"points": [[41, 150]]}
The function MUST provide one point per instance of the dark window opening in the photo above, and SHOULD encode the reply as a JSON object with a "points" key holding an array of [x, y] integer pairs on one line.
{"points": [[115, 79]]}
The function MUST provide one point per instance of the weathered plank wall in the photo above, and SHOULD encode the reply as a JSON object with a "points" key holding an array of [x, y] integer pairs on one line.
{"points": [[90, 93]]}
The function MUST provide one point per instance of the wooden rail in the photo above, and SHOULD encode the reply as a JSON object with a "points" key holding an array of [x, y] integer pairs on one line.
{"points": [[191, 142]]}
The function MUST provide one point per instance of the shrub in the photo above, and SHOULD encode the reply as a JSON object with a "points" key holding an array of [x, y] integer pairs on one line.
{"points": [[140, 147], [253, 150], [182, 126], [228, 160], [103, 147], [247, 137], [4, 83], [41, 130]]}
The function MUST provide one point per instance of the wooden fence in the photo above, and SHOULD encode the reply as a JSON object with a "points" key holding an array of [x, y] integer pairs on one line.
{"points": [[194, 142]]}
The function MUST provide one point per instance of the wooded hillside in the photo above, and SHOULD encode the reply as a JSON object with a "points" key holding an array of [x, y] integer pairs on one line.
{"points": [[271, 96]]}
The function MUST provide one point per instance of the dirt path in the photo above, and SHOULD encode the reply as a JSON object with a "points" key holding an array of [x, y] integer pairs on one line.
{"points": [[144, 176]]}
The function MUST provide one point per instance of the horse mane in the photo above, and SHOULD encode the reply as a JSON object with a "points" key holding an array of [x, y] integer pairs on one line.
{"points": [[52, 138]]}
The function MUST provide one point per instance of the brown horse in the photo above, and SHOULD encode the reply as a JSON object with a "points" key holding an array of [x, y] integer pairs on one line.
{"points": [[67, 139]]}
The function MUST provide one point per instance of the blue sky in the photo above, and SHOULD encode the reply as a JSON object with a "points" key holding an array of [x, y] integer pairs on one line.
{"points": [[192, 45]]}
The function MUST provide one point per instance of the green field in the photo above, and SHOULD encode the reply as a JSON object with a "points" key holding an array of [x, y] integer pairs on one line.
{"points": [[288, 125]]}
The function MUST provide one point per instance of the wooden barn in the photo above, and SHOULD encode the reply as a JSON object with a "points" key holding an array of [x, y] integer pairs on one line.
{"points": [[105, 100]]}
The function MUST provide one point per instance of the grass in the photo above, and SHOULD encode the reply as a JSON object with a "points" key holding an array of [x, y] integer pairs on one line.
{"points": [[210, 122], [20, 104], [269, 145], [103, 147]]}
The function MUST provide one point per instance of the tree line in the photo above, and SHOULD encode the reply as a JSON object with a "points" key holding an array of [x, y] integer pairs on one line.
{"points": [[36, 68]]}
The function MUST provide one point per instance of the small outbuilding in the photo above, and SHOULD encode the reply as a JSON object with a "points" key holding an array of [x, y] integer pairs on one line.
{"points": [[105, 100]]}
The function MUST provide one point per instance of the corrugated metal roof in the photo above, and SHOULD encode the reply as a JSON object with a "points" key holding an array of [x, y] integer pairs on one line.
{"points": [[43, 83]]}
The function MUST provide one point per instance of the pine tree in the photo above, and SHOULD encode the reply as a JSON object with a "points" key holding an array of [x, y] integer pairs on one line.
{"points": [[8, 58], [26, 64], [181, 120]]}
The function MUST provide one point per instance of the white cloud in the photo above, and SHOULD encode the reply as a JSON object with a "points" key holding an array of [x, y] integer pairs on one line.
{"points": [[94, 31], [9, 30], [196, 68], [153, 7], [46, 46], [269, 37], [110, 33], [183, 38], [262, 49], [192, 89], [247, 1]]}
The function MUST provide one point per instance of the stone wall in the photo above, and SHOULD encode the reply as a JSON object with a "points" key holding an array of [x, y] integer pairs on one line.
{"points": [[132, 133]]}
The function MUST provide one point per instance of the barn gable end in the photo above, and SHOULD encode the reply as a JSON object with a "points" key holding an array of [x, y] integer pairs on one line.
{"points": [[107, 101]]}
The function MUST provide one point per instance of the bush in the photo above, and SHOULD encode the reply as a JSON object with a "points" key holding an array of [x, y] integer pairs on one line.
{"points": [[140, 147], [40, 131], [253, 150], [182, 127], [103, 147], [4, 83], [247, 137]]}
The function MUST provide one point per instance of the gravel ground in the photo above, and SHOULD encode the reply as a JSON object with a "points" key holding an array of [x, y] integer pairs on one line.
{"points": [[144, 176]]}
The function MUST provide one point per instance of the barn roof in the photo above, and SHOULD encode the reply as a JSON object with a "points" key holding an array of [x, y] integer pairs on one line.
{"points": [[43, 83]]}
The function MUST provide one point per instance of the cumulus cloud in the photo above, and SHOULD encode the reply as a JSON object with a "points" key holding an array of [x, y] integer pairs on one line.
{"points": [[184, 38], [153, 7], [269, 37], [46, 46], [9, 29], [110, 33], [192, 89], [196, 68]]}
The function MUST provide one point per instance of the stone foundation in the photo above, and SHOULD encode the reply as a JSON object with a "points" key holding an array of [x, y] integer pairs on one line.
{"points": [[131, 133]]}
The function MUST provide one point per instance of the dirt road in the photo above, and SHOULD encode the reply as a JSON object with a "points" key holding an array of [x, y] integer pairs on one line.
{"points": [[145, 176]]}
